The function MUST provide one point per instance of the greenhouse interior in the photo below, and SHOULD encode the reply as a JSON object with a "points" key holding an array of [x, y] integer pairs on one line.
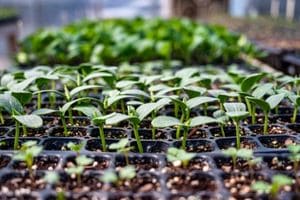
{"points": [[149, 99]]}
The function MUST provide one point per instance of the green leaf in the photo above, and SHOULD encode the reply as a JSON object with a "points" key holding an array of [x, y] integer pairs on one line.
{"points": [[261, 187], [109, 177], [274, 100], [83, 160], [68, 105], [261, 90], [135, 92], [265, 106], [119, 145], [24, 97], [125, 83], [231, 151], [44, 111], [197, 101], [90, 111], [245, 153], [96, 75], [101, 119], [31, 121], [117, 118], [200, 120], [236, 110], [127, 173], [82, 88], [282, 180], [165, 121], [250, 81], [51, 177], [9, 103]]}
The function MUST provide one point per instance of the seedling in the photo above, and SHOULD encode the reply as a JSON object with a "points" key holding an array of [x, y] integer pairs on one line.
{"points": [[122, 147], [273, 188], [52, 178], [267, 105], [76, 147], [125, 174], [167, 121], [236, 111], [179, 155], [294, 155], [81, 162], [27, 153]]}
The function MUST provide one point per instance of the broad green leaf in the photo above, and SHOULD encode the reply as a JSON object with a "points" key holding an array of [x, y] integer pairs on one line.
{"points": [[9, 103], [197, 101], [31, 121], [117, 118], [44, 111], [119, 145], [145, 109], [261, 186], [97, 75], [24, 97], [135, 92], [201, 120], [68, 105], [250, 81], [125, 83], [274, 100], [50, 91], [265, 106], [89, 110], [282, 180], [165, 121], [235, 110], [82, 88], [261, 90]]}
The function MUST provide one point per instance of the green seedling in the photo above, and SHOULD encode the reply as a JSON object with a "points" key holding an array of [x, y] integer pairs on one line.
{"points": [[13, 106], [267, 105], [125, 174], [236, 111], [167, 121], [273, 188], [294, 155], [76, 147], [52, 178], [122, 147], [221, 116], [179, 155], [81, 162], [27, 153]]}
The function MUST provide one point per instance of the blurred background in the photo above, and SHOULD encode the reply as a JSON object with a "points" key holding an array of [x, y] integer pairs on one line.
{"points": [[274, 22]]}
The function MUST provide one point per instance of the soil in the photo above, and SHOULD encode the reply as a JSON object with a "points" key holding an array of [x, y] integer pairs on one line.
{"points": [[100, 163], [39, 132], [4, 160], [277, 142], [72, 132], [272, 129], [279, 163], [40, 163], [140, 163], [184, 182], [110, 133], [146, 134], [245, 143], [226, 165], [196, 164], [229, 131]]}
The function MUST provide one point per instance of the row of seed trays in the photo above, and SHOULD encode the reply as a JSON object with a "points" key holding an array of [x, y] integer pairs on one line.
{"points": [[158, 130]]}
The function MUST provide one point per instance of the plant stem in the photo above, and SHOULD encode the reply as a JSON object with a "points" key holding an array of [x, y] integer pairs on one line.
{"points": [[237, 134], [295, 114], [24, 130], [123, 106], [205, 109], [137, 137], [126, 158], [253, 117], [102, 137], [176, 109], [52, 94], [249, 107], [222, 130], [63, 121], [234, 158], [39, 100], [70, 116], [185, 132], [17, 133], [266, 121], [1, 118]]}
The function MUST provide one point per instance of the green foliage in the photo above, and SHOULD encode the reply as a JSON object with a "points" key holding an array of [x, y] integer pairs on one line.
{"points": [[181, 155]]}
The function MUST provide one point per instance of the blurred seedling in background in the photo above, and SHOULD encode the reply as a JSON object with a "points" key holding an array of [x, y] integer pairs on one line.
{"points": [[122, 147], [179, 157], [118, 178]]}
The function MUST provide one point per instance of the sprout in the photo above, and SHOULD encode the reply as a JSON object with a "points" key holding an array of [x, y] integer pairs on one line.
{"points": [[175, 155], [81, 162], [122, 147], [125, 174], [76, 147], [28, 151], [236, 111], [273, 188], [294, 155]]}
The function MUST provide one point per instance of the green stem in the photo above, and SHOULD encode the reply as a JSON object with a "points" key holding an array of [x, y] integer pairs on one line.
{"points": [[176, 109], [205, 108], [249, 107], [123, 106], [237, 134], [126, 158], [71, 121], [222, 130], [185, 132], [234, 158], [39, 100], [102, 137], [1, 118], [52, 94], [24, 130], [137, 137], [295, 114], [63, 121], [17, 134], [266, 122]]}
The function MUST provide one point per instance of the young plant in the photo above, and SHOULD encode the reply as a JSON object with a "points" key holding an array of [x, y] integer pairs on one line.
{"points": [[273, 188], [27, 153], [179, 156], [295, 99], [125, 174], [237, 112], [122, 147], [76, 147], [294, 155], [52, 178], [81, 162], [167, 121], [13, 106], [267, 105]]}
